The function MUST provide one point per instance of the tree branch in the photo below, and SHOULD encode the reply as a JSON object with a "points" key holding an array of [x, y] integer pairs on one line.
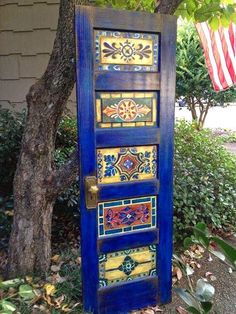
{"points": [[167, 7]]}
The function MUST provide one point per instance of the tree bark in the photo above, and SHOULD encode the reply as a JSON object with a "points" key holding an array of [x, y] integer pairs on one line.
{"points": [[167, 7], [36, 182]]}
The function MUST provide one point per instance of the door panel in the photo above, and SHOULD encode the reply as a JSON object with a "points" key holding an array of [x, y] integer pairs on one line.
{"points": [[126, 109], [122, 164], [121, 266], [126, 51], [127, 215], [125, 92]]}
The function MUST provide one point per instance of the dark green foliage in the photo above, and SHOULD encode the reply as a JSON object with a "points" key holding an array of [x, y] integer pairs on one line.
{"points": [[205, 181], [6, 213], [134, 5], [11, 128], [209, 10]]}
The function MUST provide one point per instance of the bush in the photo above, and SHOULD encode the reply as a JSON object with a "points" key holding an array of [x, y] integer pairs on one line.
{"points": [[205, 180], [11, 130]]}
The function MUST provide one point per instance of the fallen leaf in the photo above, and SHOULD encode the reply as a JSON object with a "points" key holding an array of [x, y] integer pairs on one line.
{"points": [[56, 278], [157, 309], [49, 288], [213, 278], [78, 260], [210, 258], [29, 279], [181, 310], [48, 299], [56, 258], [148, 311], [65, 308], [201, 249], [58, 301], [55, 268], [179, 274]]}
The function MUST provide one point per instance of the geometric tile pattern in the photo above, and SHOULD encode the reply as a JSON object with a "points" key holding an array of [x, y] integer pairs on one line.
{"points": [[127, 215], [127, 265], [126, 51], [126, 164], [126, 109]]}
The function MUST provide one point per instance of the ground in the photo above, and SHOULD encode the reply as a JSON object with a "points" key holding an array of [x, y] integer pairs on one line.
{"points": [[224, 283]]}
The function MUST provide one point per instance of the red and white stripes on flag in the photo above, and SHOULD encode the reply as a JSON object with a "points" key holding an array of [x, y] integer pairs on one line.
{"points": [[220, 54]]}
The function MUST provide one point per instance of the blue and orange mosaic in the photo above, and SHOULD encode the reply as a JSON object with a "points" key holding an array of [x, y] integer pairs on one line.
{"points": [[123, 164], [126, 51], [127, 215], [127, 265], [126, 109]]}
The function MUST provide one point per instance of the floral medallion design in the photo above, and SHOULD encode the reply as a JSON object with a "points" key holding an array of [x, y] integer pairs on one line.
{"points": [[127, 265], [126, 163], [122, 109], [126, 51], [127, 215]]}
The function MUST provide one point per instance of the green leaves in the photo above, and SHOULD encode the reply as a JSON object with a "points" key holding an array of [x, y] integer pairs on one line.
{"points": [[10, 283], [214, 23], [228, 250], [135, 5], [204, 291], [217, 246], [26, 292], [186, 296], [216, 12], [7, 307], [199, 301]]}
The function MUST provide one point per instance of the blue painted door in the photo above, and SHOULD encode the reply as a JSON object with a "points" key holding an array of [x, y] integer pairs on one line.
{"points": [[125, 95]]}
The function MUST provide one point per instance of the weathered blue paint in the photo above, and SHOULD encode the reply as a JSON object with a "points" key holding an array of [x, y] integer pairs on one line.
{"points": [[87, 157], [137, 136], [128, 81], [142, 292], [165, 199], [132, 189], [123, 298], [121, 242]]}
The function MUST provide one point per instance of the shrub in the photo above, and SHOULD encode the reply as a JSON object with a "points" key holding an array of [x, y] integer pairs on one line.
{"points": [[205, 180], [11, 130]]}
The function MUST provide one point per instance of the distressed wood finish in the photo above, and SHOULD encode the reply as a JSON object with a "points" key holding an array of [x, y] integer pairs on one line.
{"points": [[121, 260]]}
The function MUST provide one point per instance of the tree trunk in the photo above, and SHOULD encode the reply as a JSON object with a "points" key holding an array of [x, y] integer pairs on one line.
{"points": [[37, 183]]}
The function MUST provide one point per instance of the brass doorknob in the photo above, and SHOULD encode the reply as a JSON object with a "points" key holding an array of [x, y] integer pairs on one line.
{"points": [[93, 189], [91, 192]]}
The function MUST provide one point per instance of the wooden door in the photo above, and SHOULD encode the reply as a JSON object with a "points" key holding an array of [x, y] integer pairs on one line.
{"points": [[125, 95]]}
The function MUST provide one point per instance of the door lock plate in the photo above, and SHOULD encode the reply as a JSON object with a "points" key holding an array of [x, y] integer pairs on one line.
{"points": [[91, 192]]}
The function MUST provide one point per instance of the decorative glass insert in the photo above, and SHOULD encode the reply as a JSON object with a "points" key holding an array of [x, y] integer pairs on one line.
{"points": [[122, 109], [126, 215], [127, 265], [126, 51], [126, 163]]}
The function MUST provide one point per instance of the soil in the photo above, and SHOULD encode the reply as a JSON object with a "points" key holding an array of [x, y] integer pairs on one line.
{"points": [[225, 285]]}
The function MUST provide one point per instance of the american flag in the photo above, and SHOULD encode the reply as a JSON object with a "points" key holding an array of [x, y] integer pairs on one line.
{"points": [[220, 54]]}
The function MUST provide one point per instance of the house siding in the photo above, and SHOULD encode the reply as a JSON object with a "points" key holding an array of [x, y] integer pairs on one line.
{"points": [[27, 32]]}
